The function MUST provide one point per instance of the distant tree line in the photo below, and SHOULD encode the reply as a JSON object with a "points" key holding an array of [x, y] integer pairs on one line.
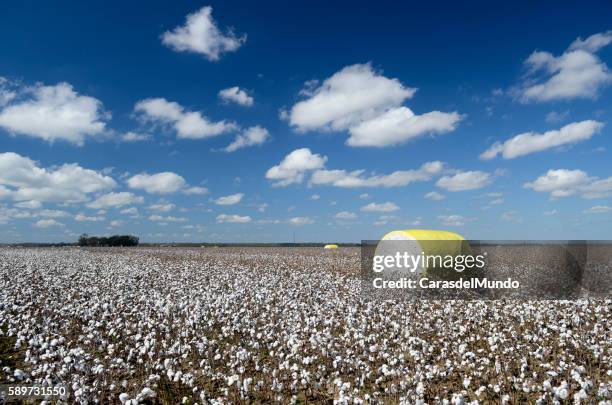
{"points": [[115, 240]]}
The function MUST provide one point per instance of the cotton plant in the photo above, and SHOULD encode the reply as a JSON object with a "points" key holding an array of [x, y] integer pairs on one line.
{"points": [[242, 325]]}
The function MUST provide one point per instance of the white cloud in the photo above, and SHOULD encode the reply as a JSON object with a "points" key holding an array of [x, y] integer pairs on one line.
{"points": [[598, 209], [159, 218], [47, 223], [187, 124], [434, 195], [554, 117], [350, 96], [380, 207], [238, 219], [369, 106], [593, 43], [135, 137], [22, 179], [201, 35], [345, 215], [292, 168], [236, 95], [230, 199], [160, 183], [300, 221], [399, 125], [564, 183], [51, 213], [577, 73], [54, 113], [531, 142], [250, 137], [385, 219], [364, 196], [7, 92], [400, 178], [560, 182], [162, 207], [315, 197], [115, 223], [80, 217], [551, 213], [130, 211], [113, 200], [462, 181], [454, 220], [195, 191], [32, 204]]}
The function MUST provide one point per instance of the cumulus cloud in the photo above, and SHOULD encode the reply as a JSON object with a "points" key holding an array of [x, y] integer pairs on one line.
{"points": [[135, 137], [200, 34], [187, 124], [300, 221], [435, 196], [399, 125], [380, 207], [348, 97], [114, 200], [159, 218], [130, 211], [298, 163], [294, 166], [32, 204], [577, 73], [162, 207], [250, 137], [230, 199], [7, 214], [369, 106], [598, 209], [195, 190], [53, 113], [454, 220], [23, 180], [236, 95], [346, 215], [355, 178], [462, 181], [80, 217], [48, 223], [531, 142], [565, 183], [237, 219], [159, 183]]}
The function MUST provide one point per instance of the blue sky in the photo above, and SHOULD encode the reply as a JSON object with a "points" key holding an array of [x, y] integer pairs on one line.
{"points": [[345, 122]]}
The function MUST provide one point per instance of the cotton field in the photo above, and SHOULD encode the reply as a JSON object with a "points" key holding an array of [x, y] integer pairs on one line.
{"points": [[280, 325]]}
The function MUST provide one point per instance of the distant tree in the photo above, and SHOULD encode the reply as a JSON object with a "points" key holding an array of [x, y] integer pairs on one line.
{"points": [[115, 240]]}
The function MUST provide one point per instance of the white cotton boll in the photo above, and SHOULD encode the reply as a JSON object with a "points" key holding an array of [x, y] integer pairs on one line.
{"points": [[18, 374], [123, 397], [147, 393]]}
